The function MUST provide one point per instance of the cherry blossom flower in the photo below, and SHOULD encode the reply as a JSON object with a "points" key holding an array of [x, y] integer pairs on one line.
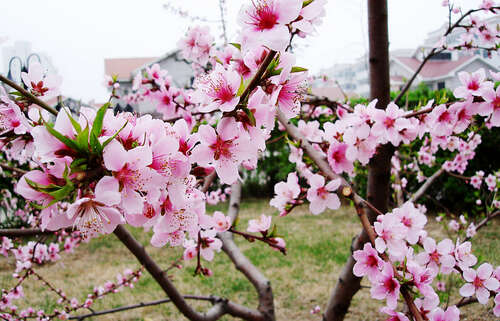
{"points": [[386, 286], [95, 215], [222, 223], [437, 257], [390, 233], [394, 316], [473, 84], [39, 84], [262, 224], [451, 314], [218, 90], [265, 22], [480, 283], [286, 192], [337, 158], [321, 196], [368, 262], [224, 149]]}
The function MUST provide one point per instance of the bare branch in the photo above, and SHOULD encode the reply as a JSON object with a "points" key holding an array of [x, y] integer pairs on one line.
{"points": [[421, 191], [261, 284], [221, 307], [140, 305]]}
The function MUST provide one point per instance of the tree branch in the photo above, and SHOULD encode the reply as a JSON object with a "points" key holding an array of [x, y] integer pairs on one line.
{"points": [[221, 306], [421, 191], [140, 305], [31, 98], [346, 191], [261, 284]]}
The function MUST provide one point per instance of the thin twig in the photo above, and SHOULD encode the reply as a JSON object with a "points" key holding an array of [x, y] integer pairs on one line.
{"points": [[32, 98]]}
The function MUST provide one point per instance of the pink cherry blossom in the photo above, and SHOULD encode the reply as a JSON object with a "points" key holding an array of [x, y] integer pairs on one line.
{"points": [[438, 257], [222, 223], [451, 314], [95, 215], [286, 192], [390, 234], [40, 84], [321, 196], [394, 316], [264, 22], [218, 90], [480, 283], [224, 149], [386, 286], [473, 84], [337, 158], [368, 262], [262, 224]]}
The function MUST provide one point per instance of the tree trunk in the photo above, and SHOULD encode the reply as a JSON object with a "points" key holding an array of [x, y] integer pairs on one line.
{"points": [[379, 167]]}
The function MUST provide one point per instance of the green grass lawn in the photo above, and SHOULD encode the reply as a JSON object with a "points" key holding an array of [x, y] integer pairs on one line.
{"points": [[317, 247]]}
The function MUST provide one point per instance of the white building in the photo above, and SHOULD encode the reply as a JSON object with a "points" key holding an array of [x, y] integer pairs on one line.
{"points": [[439, 72]]}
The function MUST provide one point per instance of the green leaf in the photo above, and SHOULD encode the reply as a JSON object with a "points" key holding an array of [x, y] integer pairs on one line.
{"points": [[235, 223], [242, 87], [82, 140], [63, 139], [298, 69], [236, 45], [75, 124], [95, 144], [306, 3], [274, 232], [77, 164], [107, 141], [250, 115], [99, 118], [40, 187]]}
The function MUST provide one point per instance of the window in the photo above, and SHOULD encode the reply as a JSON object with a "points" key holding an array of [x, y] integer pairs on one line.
{"points": [[441, 85]]}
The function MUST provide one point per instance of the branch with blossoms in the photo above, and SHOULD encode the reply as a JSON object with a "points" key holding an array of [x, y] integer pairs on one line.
{"points": [[96, 171], [471, 29]]}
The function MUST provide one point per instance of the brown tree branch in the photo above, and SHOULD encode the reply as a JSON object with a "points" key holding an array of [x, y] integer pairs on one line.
{"points": [[221, 307], [421, 191], [141, 305], [368, 233], [29, 96], [261, 284]]}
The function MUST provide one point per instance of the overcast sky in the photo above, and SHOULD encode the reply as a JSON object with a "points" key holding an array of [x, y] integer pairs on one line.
{"points": [[78, 35]]}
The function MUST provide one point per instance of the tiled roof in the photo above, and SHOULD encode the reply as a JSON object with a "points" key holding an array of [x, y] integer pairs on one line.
{"points": [[123, 67], [434, 68]]}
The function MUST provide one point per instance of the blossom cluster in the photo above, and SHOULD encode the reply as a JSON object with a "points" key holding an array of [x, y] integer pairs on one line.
{"points": [[404, 254]]}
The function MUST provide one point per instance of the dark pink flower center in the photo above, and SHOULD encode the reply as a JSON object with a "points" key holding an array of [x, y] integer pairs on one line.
{"points": [[338, 156], [371, 261], [390, 284], [389, 122], [166, 100], [322, 192], [478, 283], [496, 103], [39, 88], [444, 117], [264, 18], [407, 221], [222, 148], [473, 85], [435, 256]]}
